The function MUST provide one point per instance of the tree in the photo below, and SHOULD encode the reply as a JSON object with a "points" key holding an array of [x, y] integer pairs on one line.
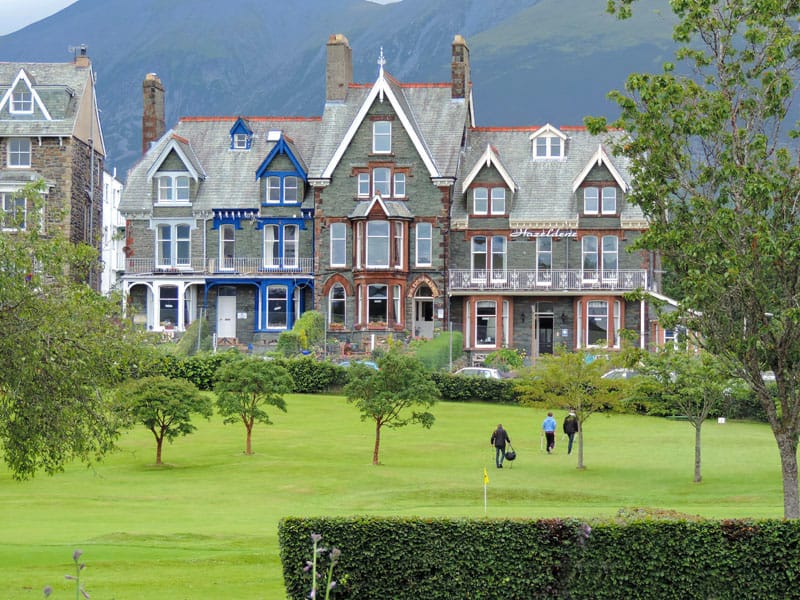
{"points": [[63, 346], [570, 381], [164, 406], [691, 383], [389, 395], [719, 182], [245, 387]]}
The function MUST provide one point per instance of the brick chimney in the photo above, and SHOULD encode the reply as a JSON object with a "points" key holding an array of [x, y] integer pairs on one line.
{"points": [[339, 68], [82, 58], [459, 69], [153, 126]]}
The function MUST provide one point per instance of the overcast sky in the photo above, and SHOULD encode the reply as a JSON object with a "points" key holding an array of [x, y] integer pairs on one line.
{"points": [[16, 14]]}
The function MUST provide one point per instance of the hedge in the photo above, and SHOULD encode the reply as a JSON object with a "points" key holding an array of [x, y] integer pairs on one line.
{"points": [[410, 558], [458, 388]]}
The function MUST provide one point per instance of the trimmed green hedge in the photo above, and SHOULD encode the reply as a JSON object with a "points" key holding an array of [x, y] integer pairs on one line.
{"points": [[404, 558], [458, 388]]}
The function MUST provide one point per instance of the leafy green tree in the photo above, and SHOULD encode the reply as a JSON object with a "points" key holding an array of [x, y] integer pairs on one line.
{"points": [[388, 396], [63, 346], [717, 176], [570, 381], [245, 387], [694, 384], [164, 406]]}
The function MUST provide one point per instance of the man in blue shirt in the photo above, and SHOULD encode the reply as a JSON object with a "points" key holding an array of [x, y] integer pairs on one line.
{"points": [[549, 428]]}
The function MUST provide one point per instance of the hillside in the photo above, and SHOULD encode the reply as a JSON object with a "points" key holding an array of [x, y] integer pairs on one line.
{"points": [[533, 61]]}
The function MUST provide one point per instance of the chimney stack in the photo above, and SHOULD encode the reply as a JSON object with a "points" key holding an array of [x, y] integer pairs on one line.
{"points": [[82, 57], [339, 68], [459, 69], [153, 122]]}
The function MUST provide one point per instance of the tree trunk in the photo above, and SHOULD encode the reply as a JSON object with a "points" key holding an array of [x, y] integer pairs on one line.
{"points": [[697, 476], [787, 447], [248, 449], [377, 444], [159, 442]]}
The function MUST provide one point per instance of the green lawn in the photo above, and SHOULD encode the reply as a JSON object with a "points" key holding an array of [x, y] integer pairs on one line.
{"points": [[205, 525]]}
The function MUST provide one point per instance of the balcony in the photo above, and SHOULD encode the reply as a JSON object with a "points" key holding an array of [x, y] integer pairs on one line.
{"points": [[212, 266], [555, 280]]}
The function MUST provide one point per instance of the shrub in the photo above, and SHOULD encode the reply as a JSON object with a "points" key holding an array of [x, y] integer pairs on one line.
{"points": [[434, 354], [458, 388]]}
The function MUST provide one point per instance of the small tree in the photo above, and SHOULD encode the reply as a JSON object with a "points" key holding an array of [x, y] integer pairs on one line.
{"points": [[692, 383], [245, 387], [388, 396], [164, 406], [570, 380]]}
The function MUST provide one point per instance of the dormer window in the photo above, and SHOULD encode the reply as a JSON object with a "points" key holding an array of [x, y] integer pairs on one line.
{"points": [[19, 152], [596, 201], [241, 141], [548, 147], [382, 137], [481, 204], [498, 206], [282, 190], [173, 188], [22, 101]]}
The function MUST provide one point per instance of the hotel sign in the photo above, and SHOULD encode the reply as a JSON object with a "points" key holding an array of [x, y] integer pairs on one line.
{"points": [[554, 232]]}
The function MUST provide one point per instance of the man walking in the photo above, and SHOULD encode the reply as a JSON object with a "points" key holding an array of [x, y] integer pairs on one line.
{"points": [[571, 428], [499, 440], [549, 428]]}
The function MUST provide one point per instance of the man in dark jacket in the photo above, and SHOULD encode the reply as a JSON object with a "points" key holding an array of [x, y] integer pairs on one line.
{"points": [[499, 440], [571, 428]]}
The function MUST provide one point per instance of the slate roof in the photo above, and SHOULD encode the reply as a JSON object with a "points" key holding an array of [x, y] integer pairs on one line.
{"points": [[545, 185], [60, 87], [230, 181]]}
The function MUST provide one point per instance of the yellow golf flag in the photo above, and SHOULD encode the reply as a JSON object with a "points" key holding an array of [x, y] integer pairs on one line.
{"points": [[485, 476]]}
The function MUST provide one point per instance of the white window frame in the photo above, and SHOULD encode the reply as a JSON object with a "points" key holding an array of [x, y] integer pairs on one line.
{"points": [[240, 141], [548, 146], [11, 204], [291, 187], [544, 254], [179, 244], [20, 153], [396, 304], [374, 297], [591, 194], [479, 272], [608, 204], [483, 199], [424, 245], [338, 234], [374, 237], [272, 301], [171, 186], [590, 273], [382, 137], [487, 341], [337, 295], [610, 257], [499, 253], [379, 185], [291, 246], [21, 102], [399, 189], [397, 244], [497, 204], [227, 247], [272, 246], [273, 190], [363, 185], [597, 309]]}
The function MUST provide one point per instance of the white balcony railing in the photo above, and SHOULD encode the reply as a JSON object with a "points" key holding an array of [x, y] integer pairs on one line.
{"points": [[212, 266], [547, 280]]}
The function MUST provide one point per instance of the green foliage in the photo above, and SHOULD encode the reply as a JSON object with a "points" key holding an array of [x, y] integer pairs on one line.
{"points": [[716, 176], [63, 346], [389, 396], [312, 376], [289, 343], [434, 354], [308, 331], [506, 359], [457, 388], [164, 406], [245, 387], [188, 344], [665, 557]]}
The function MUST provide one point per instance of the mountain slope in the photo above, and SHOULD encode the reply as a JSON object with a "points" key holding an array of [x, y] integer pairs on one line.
{"points": [[533, 61]]}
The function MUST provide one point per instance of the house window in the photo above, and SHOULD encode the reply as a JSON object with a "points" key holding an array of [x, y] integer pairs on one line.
{"points": [[290, 189], [498, 201], [338, 244], [498, 265], [397, 243], [399, 185], [363, 184], [609, 205], [337, 302], [227, 244], [19, 152], [271, 247], [486, 323], [240, 141], [424, 244], [396, 294], [590, 201], [277, 307], [282, 189], [168, 305], [480, 201], [544, 260], [610, 256], [381, 181], [493, 261], [382, 137], [479, 262], [14, 211], [597, 323], [173, 246], [377, 244], [605, 260], [273, 190], [377, 303], [281, 252], [590, 258], [173, 188], [548, 146], [290, 245], [22, 101]]}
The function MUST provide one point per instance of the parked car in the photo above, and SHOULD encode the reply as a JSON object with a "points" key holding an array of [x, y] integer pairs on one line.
{"points": [[620, 374], [366, 363], [479, 372]]}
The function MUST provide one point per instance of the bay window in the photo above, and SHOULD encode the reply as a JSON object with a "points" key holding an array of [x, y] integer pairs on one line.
{"points": [[378, 244]]}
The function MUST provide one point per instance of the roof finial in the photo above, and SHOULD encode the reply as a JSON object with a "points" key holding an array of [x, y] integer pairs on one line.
{"points": [[381, 62]]}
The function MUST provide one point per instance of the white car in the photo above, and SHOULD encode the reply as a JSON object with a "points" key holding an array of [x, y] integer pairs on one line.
{"points": [[479, 372]]}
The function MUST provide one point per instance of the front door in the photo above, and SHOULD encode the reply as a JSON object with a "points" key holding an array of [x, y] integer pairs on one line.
{"points": [[423, 317], [544, 325], [226, 316]]}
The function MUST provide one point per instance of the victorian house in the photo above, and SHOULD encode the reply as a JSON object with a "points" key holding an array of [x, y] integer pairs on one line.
{"points": [[50, 131]]}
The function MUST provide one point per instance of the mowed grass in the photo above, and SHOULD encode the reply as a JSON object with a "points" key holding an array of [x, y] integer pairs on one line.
{"points": [[205, 524]]}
